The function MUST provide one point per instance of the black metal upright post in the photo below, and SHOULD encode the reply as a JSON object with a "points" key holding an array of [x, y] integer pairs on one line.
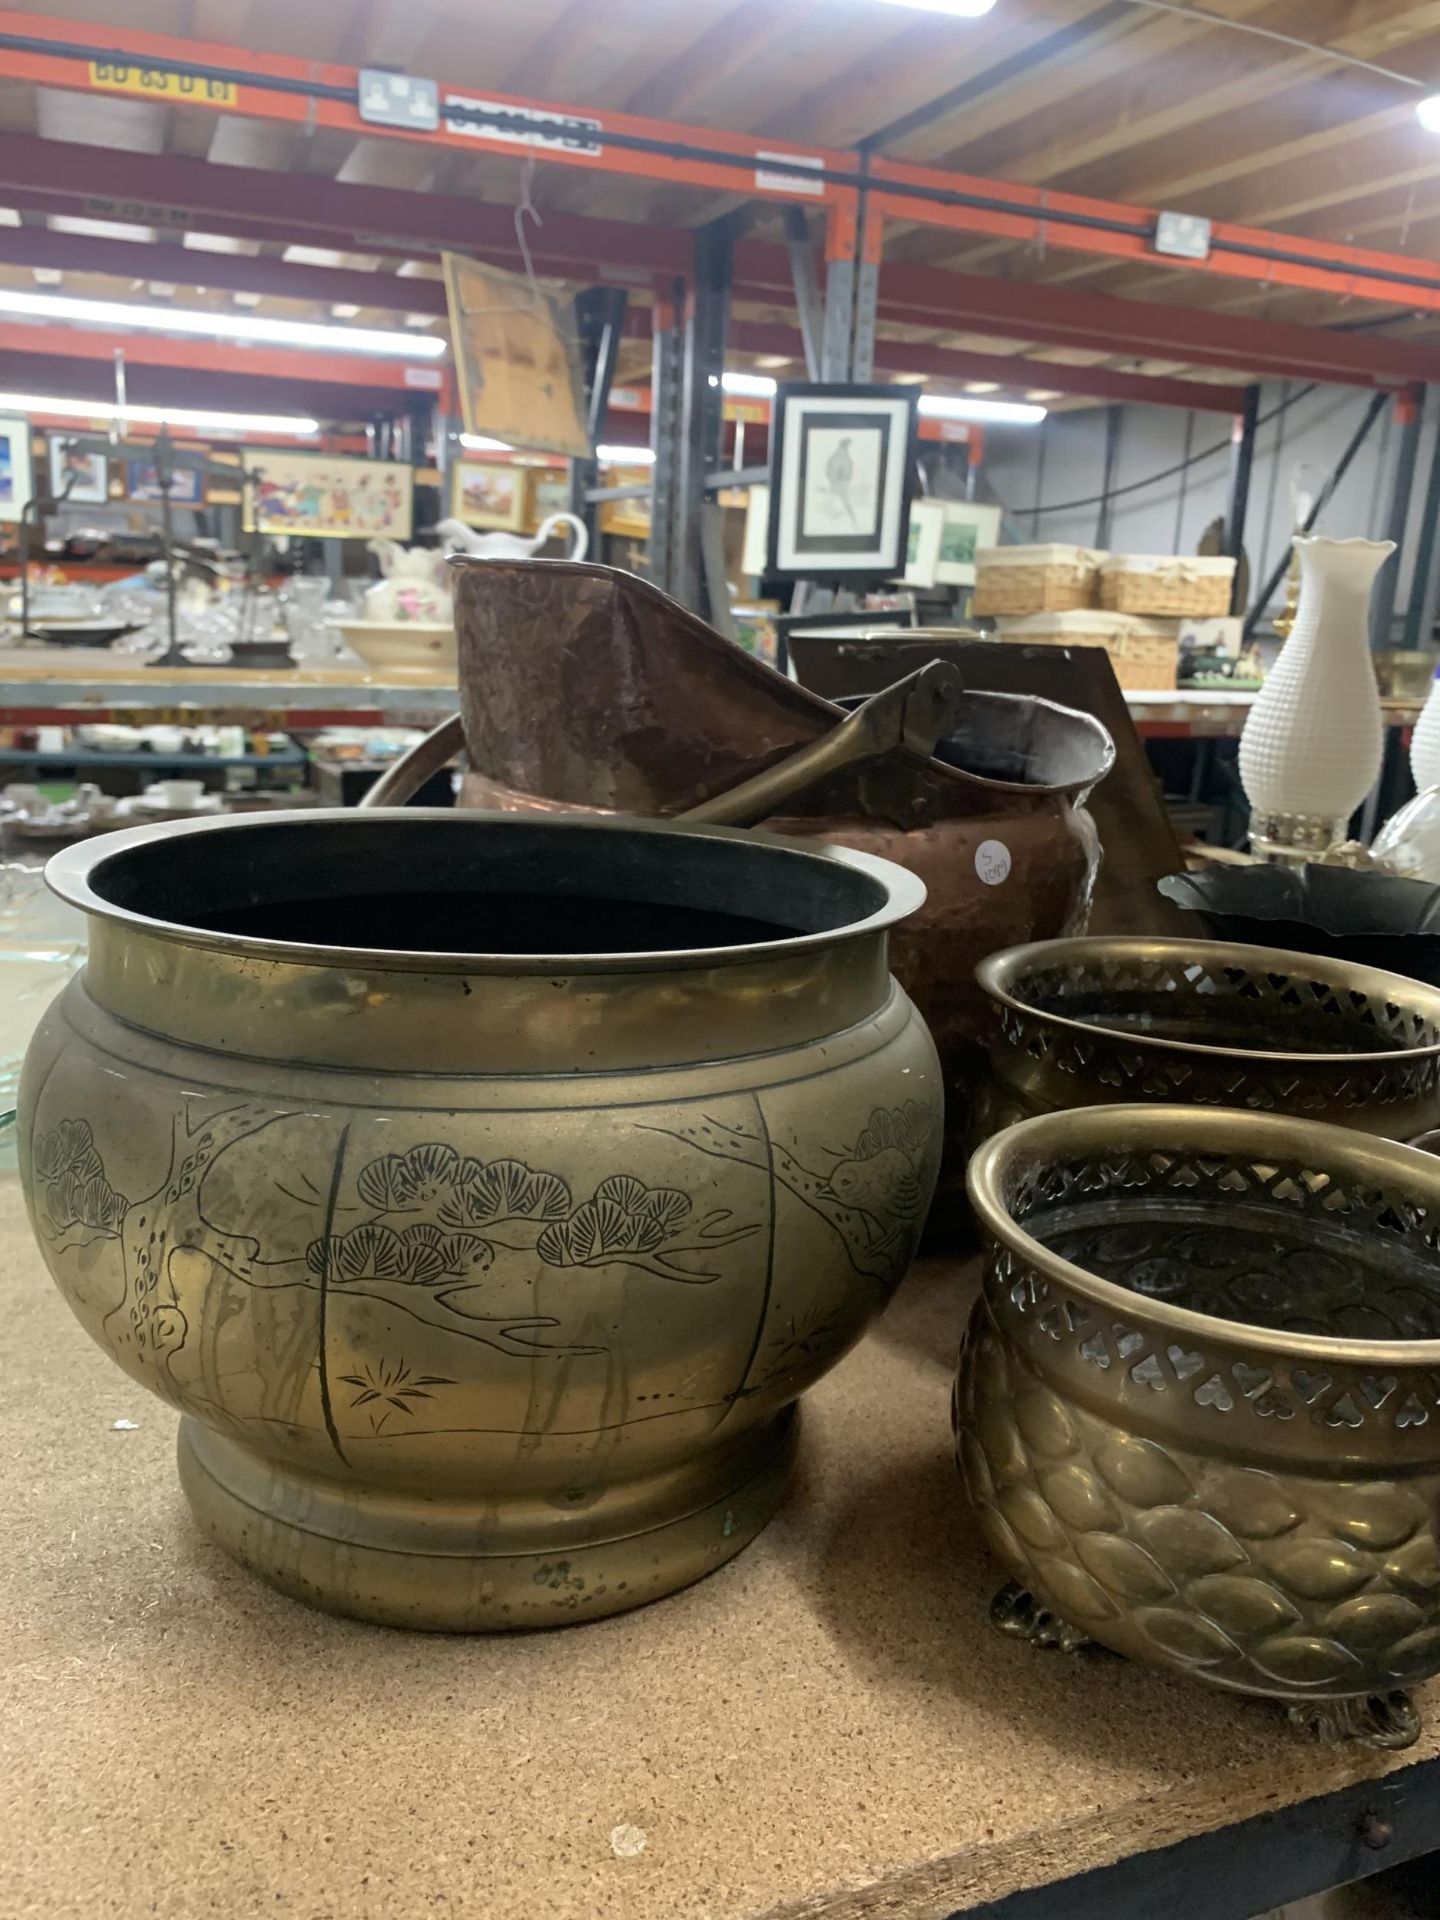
{"points": [[1242, 466], [1114, 429], [600, 321], [667, 413], [1410, 417], [1425, 579], [1261, 600], [707, 318]]}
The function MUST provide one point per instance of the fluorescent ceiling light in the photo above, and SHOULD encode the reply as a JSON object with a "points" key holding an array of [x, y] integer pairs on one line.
{"points": [[958, 9], [1427, 112], [249, 329], [625, 456], [751, 386], [301, 428], [1015, 413], [482, 443]]}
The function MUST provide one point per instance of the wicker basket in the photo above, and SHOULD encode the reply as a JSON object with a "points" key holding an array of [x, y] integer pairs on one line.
{"points": [[1035, 579], [1174, 587], [1144, 653]]}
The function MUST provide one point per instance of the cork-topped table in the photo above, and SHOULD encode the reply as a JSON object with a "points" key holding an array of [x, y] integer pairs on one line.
{"points": [[829, 1725]]}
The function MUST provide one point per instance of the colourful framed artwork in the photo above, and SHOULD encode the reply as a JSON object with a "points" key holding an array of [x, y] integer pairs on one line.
{"points": [[86, 474], [549, 493], [489, 493], [968, 525], [323, 496], [16, 472], [922, 546], [186, 488]]}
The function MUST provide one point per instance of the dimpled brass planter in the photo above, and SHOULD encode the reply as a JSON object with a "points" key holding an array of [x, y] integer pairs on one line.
{"points": [[1085, 1022], [1198, 1406], [483, 1191]]}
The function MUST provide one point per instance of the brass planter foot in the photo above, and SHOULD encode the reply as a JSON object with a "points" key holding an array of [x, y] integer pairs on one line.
{"points": [[1387, 1722], [490, 1564], [1017, 1611]]}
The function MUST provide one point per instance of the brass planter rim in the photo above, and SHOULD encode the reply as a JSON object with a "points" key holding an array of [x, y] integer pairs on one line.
{"points": [[1134, 1128], [1001, 973], [71, 874]]}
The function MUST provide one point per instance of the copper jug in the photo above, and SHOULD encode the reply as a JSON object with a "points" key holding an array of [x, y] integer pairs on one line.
{"points": [[582, 686]]}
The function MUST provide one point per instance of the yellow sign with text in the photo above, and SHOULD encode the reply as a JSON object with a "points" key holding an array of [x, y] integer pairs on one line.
{"points": [[158, 83]]}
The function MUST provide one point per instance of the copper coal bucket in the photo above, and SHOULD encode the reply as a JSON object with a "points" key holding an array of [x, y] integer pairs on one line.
{"points": [[583, 687]]}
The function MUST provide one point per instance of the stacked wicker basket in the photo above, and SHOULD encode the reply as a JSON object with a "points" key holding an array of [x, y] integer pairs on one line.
{"points": [[1130, 604]]}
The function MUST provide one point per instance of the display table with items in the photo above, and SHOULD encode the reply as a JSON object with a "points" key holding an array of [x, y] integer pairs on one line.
{"points": [[509, 1197]]}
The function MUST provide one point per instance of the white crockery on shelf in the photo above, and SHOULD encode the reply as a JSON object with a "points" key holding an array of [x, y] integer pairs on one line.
{"points": [[1313, 741]]}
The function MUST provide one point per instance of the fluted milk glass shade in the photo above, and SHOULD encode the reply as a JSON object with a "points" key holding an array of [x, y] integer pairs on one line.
{"points": [[1313, 740], [1425, 744]]}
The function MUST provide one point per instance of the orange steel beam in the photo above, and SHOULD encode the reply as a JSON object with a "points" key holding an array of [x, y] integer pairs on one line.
{"points": [[228, 79], [219, 356], [968, 203], [142, 187], [1017, 371], [267, 86]]}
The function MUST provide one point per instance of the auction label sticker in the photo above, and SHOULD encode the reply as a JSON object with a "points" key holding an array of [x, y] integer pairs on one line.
{"points": [[992, 862]]}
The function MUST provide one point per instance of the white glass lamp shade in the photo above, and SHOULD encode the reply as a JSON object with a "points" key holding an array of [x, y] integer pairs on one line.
{"points": [[1313, 741]]}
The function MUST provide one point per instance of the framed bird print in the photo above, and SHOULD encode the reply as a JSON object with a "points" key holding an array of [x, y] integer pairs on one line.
{"points": [[842, 467]]}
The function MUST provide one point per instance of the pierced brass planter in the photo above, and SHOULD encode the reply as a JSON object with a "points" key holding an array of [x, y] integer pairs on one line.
{"points": [[483, 1190], [1082, 1023], [1198, 1404]]}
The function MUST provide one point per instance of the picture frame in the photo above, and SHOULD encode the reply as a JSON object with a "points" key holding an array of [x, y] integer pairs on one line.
{"points": [[969, 525], [518, 359], [627, 519], [489, 493], [922, 550], [842, 474], [322, 496], [549, 493], [91, 473], [755, 547], [17, 477], [186, 489]]}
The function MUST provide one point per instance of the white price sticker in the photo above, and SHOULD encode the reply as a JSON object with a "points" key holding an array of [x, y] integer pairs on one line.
{"points": [[992, 862]]}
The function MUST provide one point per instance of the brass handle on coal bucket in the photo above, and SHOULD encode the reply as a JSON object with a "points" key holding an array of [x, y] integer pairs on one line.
{"points": [[915, 713]]}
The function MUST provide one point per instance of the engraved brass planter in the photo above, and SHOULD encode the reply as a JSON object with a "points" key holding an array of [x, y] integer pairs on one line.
{"points": [[1086, 1022], [1198, 1406], [484, 1191]]}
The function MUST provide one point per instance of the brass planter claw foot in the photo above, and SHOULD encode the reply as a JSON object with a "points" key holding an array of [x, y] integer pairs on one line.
{"points": [[1018, 1612], [1388, 1722]]}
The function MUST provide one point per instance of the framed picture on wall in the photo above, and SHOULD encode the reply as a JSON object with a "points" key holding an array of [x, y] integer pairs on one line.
{"points": [[16, 479], [186, 484], [841, 476], [86, 474], [922, 548], [489, 493], [549, 493], [968, 525], [324, 496]]}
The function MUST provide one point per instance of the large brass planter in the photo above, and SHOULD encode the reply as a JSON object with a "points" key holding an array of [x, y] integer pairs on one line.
{"points": [[1086, 1022], [1198, 1406], [483, 1191]]}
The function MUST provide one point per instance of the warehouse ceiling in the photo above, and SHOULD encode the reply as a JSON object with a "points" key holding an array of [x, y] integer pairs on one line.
{"points": [[1097, 97]]}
